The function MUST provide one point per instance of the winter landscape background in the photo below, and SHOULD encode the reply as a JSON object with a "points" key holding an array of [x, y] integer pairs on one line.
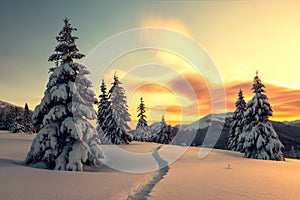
{"points": [[149, 100]]}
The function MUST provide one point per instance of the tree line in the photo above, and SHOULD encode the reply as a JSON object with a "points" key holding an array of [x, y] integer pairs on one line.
{"points": [[113, 116], [16, 119]]}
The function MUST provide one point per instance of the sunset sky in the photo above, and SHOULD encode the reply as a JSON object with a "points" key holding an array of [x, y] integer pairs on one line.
{"points": [[239, 37]]}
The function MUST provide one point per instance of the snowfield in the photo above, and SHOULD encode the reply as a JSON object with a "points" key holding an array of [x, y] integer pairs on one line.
{"points": [[22, 182], [211, 178], [220, 175]]}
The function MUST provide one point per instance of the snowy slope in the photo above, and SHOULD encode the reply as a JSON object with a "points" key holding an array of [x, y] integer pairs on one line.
{"points": [[295, 123], [21, 182], [212, 179], [4, 104], [187, 178]]}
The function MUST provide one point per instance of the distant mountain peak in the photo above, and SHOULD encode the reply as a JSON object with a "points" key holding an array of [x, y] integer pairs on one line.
{"points": [[207, 121]]}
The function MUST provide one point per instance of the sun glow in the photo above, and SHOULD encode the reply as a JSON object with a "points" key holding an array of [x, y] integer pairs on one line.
{"points": [[159, 101]]}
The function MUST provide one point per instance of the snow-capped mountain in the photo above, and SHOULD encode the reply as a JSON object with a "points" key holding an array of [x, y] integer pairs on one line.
{"points": [[155, 127], [207, 121], [289, 133], [295, 123]]}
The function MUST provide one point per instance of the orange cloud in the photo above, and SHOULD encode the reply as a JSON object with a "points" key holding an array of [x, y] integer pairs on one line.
{"points": [[39, 97], [194, 100], [153, 88], [193, 87]]}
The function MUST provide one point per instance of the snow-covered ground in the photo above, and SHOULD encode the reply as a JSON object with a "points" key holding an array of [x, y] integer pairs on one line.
{"points": [[21, 182], [187, 178], [212, 178]]}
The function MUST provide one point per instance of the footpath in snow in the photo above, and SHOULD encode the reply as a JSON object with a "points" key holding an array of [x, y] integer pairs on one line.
{"points": [[143, 191]]}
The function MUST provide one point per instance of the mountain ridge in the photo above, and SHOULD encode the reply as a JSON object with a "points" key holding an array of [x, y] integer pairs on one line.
{"points": [[194, 134]]}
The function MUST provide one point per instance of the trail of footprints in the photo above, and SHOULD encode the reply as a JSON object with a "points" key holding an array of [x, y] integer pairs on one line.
{"points": [[143, 192]]}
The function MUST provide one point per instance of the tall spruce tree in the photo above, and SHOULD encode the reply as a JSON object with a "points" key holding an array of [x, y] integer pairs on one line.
{"points": [[236, 126], [66, 140], [142, 132], [164, 136], [260, 141], [28, 127], [103, 113], [117, 116]]}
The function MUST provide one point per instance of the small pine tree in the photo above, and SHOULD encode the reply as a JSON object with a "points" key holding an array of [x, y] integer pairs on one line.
{"points": [[117, 116], [164, 136], [28, 127], [236, 126], [293, 153], [103, 112], [142, 132], [16, 125], [260, 139], [66, 140]]}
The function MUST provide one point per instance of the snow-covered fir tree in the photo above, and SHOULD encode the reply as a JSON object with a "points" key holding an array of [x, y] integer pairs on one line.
{"points": [[116, 130], [142, 132], [16, 125], [292, 153], [66, 140], [236, 126], [260, 141], [103, 113], [28, 127], [164, 136]]}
